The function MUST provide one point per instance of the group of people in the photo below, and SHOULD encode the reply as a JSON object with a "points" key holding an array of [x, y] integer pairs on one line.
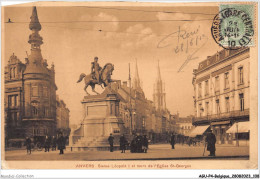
{"points": [[49, 142], [139, 144]]}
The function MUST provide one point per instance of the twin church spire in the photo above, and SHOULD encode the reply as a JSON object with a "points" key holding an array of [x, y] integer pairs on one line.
{"points": [[159, 95]]}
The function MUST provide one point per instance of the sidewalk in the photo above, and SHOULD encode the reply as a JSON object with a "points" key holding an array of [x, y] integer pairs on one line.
{"points": [[155, 152]]}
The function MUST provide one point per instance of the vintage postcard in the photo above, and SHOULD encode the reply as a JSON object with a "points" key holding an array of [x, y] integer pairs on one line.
{"points": [[129, 85]]}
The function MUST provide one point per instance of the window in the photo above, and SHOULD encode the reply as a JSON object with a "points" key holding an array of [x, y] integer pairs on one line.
{"points": [[14, 69], [34, 131], [217, 83], [11, 72], [206, 87], [207, 108], [226, 80], [217, 107], [45, 111], [12, 100], [45, 131], [241, 100], [143, 122], [35, 111], [111, 109], [45, 91], [199, 92], [227, 104], [34, 108], [240, 75], [200, 109], [35, 91]]}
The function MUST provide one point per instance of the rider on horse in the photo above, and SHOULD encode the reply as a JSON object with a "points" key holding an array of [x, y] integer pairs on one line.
{"points": [[96, 70]]}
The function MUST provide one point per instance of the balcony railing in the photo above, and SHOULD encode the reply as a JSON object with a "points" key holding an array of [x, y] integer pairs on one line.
{"points": [[227, 115]]}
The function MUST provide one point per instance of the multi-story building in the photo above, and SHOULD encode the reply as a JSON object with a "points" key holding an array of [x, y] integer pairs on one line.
{"points": [[30, 91], [184, 125], [221, 93], [62, 117], [143, 115]]}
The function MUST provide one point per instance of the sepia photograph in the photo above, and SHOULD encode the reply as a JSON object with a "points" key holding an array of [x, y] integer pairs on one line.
{"points": [[117, 85]]}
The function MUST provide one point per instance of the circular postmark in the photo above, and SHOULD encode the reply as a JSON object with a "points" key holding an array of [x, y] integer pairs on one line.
{"points": [[232, 29]]}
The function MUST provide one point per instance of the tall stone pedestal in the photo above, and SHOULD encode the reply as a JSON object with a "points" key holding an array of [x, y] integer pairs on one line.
{"points": [[101, 118]]}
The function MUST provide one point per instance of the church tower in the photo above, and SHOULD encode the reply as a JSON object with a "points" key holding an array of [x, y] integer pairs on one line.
{"points": [[137, 84], [39, 87], [159, 95]]}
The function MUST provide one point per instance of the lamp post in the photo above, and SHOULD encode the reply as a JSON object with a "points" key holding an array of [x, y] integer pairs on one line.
{"points": [[237, 142], [130, 108]]}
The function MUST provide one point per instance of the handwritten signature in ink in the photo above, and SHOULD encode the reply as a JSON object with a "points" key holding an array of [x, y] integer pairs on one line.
{"points": [[186, 42]]}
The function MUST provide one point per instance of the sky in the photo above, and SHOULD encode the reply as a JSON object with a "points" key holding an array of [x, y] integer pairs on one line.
{"points": [[74, 35]]}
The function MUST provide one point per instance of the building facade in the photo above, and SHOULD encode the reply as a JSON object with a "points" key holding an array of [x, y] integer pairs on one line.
{"points": [[141, 115], [221, 93], [62, 117], [30, 91], [183, 125]]}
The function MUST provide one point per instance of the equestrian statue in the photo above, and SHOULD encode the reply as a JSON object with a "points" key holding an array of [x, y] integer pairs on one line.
{"points": [[98, 76]]}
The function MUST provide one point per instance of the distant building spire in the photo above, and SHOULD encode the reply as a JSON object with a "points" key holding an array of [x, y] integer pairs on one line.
{"points": [[137, 83], [159, 96], [159, 78]]}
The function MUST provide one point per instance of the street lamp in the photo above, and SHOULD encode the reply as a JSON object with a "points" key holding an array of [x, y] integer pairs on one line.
{"points": [[237, 142]]}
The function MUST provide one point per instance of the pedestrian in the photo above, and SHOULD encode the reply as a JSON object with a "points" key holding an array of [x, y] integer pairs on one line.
{"points": [[46, 144], [211, 141], [123, 143], [28, 143], [145, 144], [139, 143], [172, 140], [61, 143], [111, 142], [133, 145], [54, 141]]}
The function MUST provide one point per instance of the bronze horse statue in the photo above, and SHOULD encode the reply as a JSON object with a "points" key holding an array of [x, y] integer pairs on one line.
{"points": [[105, 76]]}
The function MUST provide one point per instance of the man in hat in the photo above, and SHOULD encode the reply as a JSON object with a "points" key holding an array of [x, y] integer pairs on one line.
{"points": [[61, 143], [96, 69], [111, 142], [172, 141], [211, 141], [145, 143], [28, 143], [123, 143]]}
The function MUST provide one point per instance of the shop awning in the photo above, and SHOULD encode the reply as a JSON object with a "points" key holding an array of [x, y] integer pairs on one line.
{"points": [[199, 130], [239, 127], [220, 123]]}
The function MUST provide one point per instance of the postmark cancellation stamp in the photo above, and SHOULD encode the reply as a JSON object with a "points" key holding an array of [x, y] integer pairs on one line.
{"points": [[233, 26]]}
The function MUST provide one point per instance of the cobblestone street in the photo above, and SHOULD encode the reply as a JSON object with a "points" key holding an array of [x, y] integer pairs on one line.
{"points": [[155, 152]]}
